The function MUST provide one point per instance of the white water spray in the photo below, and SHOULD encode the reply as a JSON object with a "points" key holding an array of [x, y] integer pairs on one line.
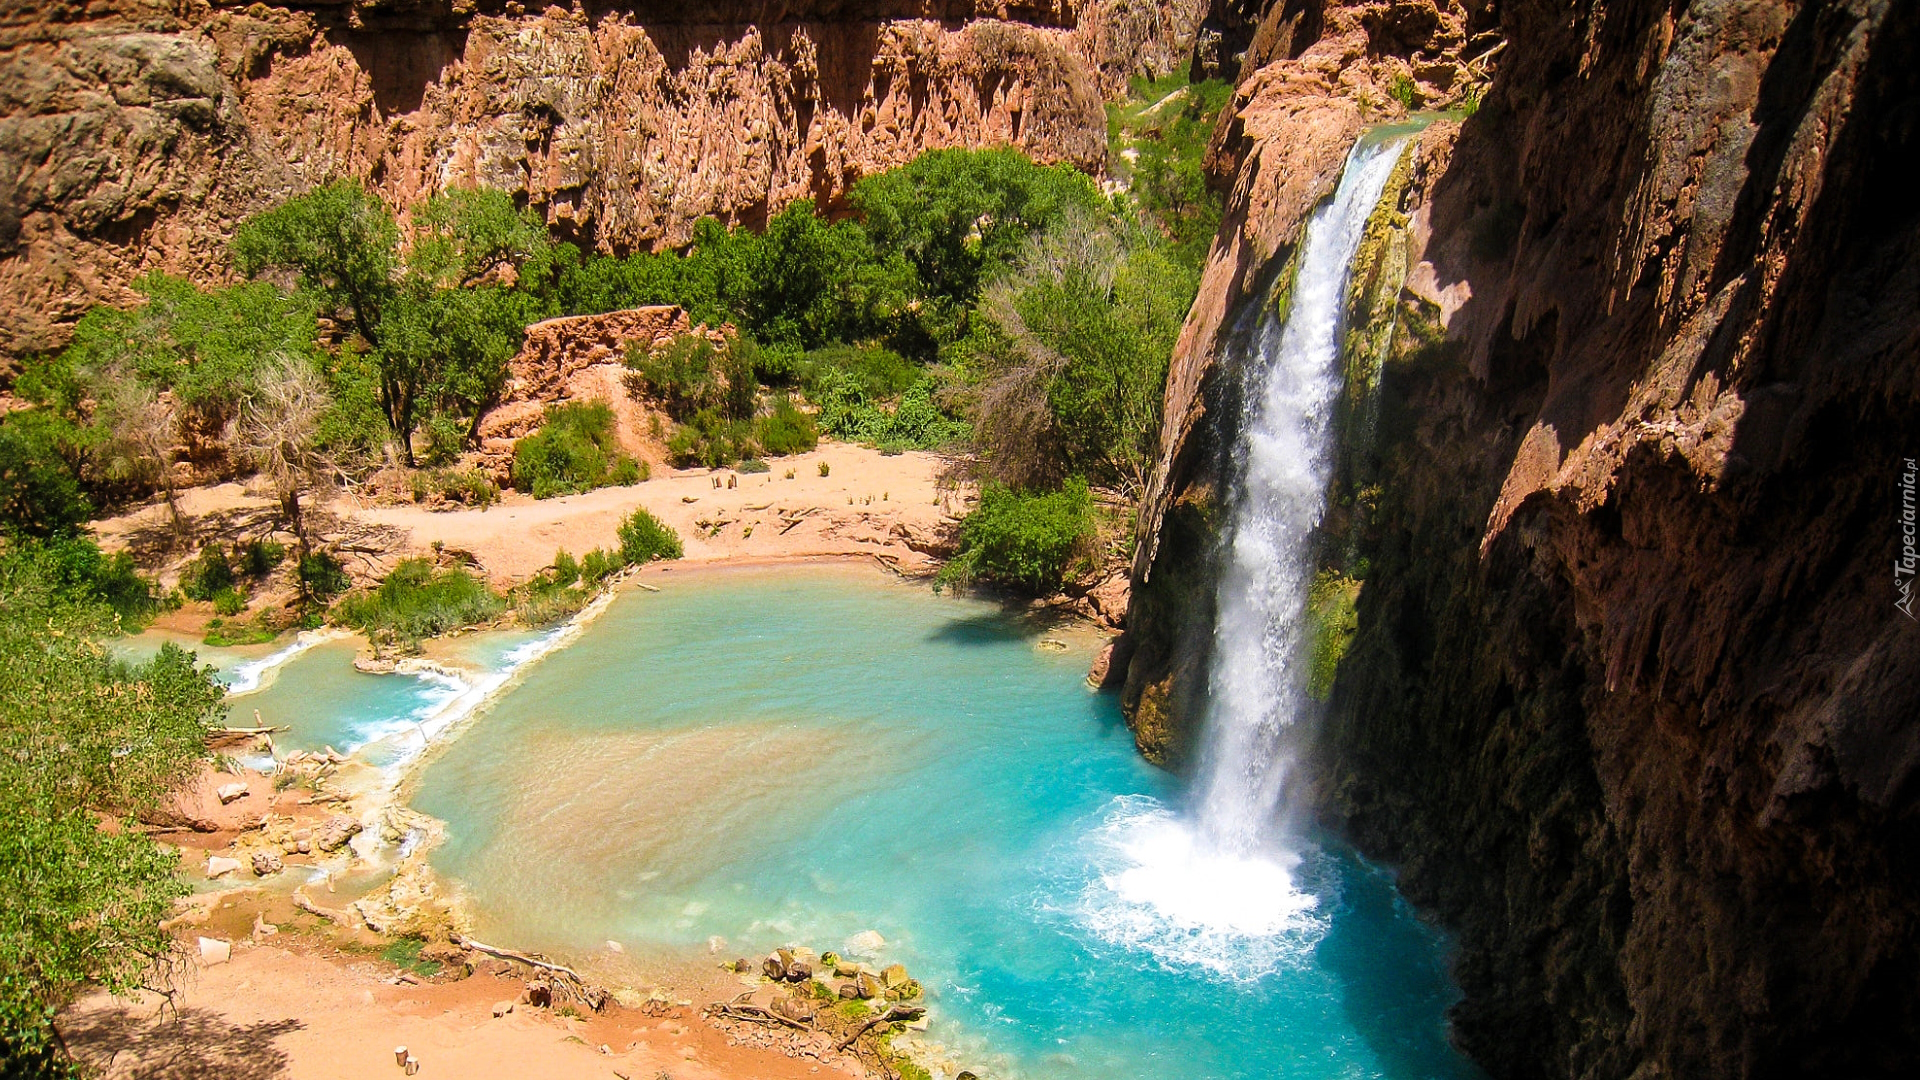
{"points": [[1210, 889], [1258, 687]]}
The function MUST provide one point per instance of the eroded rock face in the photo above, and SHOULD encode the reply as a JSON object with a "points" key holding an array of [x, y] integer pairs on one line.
{"points": [[134, 135], [1630, 704]]}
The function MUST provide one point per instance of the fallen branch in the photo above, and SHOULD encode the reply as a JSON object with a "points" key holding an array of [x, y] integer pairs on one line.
{"points": [[757, 1015], [897, 1013], [338, 918], [649, 588], [511, 954], [250, 730]]}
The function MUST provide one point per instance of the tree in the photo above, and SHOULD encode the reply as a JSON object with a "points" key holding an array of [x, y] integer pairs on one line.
{"points": [[440, 319], [87, 741], [1075, 357], [140, 389], [40, 496], [958, 215], [279, 435]]}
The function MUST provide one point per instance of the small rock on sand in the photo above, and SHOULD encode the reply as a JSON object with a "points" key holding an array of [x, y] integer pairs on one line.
{"points": [[215, 951], [502, 1008], [266, 862], [220, 864], [230, 792]]}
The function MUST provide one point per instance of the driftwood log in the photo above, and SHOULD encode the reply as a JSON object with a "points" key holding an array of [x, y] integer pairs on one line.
{"points": [[893, 1015]]}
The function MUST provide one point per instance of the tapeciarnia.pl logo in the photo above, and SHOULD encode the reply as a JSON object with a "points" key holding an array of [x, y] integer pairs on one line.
{"points": [[1909, 560]]}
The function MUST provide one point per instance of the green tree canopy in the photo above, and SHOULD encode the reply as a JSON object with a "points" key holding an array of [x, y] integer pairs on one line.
{"points": [[86, 742]]}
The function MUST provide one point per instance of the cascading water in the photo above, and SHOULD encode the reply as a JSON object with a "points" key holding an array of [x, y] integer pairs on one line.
{"points": [[1257, 688], [1212, 888]]}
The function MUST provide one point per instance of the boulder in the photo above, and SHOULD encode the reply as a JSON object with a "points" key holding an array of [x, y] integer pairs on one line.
{"points": [[894, 976], [334, 833], [848, 990], [775, 965], [229, 792], [539, 993], [215, 951], [799, 970], [869, 986], [220, 864], [866, 943], [266, 862]]}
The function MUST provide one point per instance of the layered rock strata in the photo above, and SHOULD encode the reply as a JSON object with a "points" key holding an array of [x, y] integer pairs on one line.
{"points": [[134, 134], [1629, 702]]}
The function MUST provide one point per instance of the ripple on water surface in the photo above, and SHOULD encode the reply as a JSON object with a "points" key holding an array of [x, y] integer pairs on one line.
{"points": [[788, 755]]}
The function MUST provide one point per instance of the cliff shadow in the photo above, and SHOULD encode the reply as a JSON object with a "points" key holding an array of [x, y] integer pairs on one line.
{"points": [[401, 64]]}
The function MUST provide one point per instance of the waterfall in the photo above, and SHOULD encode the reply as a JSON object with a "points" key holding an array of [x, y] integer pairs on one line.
{"points": [[1257, 686], [1211, 888]]}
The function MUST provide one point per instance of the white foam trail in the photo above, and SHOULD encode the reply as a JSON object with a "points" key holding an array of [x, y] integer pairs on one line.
{"points": [[473, 693], [248, 677], [1256, 686], [1158, 887]]}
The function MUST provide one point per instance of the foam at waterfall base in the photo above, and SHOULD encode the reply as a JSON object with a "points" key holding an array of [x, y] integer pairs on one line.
{"points": [[1156, 886]]}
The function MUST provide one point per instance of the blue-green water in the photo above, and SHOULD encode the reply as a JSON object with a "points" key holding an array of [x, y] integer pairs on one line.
{"points": [[793, 756]]}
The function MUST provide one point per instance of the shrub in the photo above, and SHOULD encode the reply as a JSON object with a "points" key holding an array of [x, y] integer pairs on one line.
{"points": [[81, 573], [445, 437], [208, 574], [755, 465], [915, 422], [39, 493], [322, 577], [644, 538], [879, 372], [259, 557], [711, 440], [575, 450], [222, 634], [416, 601], [598, 565], [229, 601], [825, 468], [1025, 541], [692, 375], [468, 487], [786, 430]]}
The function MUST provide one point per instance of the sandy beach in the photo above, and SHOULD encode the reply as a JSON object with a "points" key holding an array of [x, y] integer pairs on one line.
{"points": [[867, 504]]}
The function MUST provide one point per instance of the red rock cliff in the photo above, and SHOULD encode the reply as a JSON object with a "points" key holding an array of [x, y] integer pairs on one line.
{"points": [[134, 134]]}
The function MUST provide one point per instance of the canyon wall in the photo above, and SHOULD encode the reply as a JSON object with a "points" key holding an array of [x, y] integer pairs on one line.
{"points": [[1629, 704], [134, 134]]}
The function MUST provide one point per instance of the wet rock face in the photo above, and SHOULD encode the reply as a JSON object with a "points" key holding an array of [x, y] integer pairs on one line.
{"points": [[1630, 704], [134, 136]]}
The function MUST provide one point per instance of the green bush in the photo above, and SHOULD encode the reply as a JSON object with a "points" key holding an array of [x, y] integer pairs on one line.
{"points": [[445, 437], [76, 568], [260, 556], [575, 450], [692, 375], [222, 634], [39, 493], [644, 538], [416, 601], [468, 487], [87, 742], [598, 565], [878, 372], [1024, 541], [786, 430], [322, 577], [711, 440], [915, 422], [229, 601], [754, 465], [208, 574]]}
